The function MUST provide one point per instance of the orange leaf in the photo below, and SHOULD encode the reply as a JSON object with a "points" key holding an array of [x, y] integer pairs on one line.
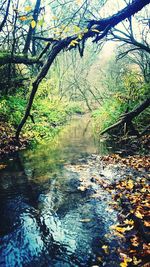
{"points": [[147, 224]]}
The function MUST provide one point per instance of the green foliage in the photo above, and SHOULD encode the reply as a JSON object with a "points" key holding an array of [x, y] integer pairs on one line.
{"points": [[12, 108], [134, 86], [129, 93], [75, 108], [11, 80], [49, 116], [48, 112], [108, 113]]}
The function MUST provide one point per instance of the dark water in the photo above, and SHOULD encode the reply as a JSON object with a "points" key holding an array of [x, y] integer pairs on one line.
{"points": [[45, 220]]}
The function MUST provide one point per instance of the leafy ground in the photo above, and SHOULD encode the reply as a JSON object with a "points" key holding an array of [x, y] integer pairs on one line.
{"points": [[130, 198], [8, 143]]}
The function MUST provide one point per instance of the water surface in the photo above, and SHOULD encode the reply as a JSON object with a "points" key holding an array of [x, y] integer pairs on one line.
{"points": [[45, 219]]}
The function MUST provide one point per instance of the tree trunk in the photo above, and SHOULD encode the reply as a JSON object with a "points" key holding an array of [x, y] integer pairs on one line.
{"points": [[128, 117], [32, 30], [57, 48]]}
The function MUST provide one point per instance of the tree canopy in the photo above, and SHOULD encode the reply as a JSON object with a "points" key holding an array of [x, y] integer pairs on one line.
{"points": [[34, 33]]}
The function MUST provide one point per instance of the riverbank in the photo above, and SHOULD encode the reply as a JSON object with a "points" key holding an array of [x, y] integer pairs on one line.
{"points": [[8, 144], [123, 146]]}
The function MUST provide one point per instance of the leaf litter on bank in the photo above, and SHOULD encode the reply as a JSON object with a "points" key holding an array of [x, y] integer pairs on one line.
{"points": [[130, 196]]}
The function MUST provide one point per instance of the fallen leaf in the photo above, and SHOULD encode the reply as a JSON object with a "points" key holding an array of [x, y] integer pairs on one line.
{"points": [[136, 261], [147, 224], [134, 241], [130, 222], [121, 229], [126, 260], [105, 248], [130, 184], [2, 166], [139, 215]]}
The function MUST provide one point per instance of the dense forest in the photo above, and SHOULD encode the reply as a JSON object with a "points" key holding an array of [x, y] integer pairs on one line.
{"points": [[48, 52], [65, 63]]}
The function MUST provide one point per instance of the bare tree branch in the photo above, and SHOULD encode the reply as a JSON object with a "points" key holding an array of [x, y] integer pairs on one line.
{"points": [[101, 25], [5, 17]]}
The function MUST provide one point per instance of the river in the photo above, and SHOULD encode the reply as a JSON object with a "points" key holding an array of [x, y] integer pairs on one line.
{"points": [[46, 218]]}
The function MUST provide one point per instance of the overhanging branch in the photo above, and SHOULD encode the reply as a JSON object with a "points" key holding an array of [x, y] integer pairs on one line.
{"points": [[100, 31]]}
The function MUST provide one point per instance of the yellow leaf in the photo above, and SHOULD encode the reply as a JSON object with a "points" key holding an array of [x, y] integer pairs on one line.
{"points": [[73, 43], [143, 190], [41, 22], [105, 248], [126, 260], [76, 29], [80, 36], [130, 184], [135, 261], [86, 30], [123, 264], [139, 215], [121, 229], [130, 222], [33, 24], [28, 8]]}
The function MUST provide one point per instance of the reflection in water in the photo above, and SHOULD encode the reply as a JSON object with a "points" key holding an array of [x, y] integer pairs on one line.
{"points": [[42, 211]]}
